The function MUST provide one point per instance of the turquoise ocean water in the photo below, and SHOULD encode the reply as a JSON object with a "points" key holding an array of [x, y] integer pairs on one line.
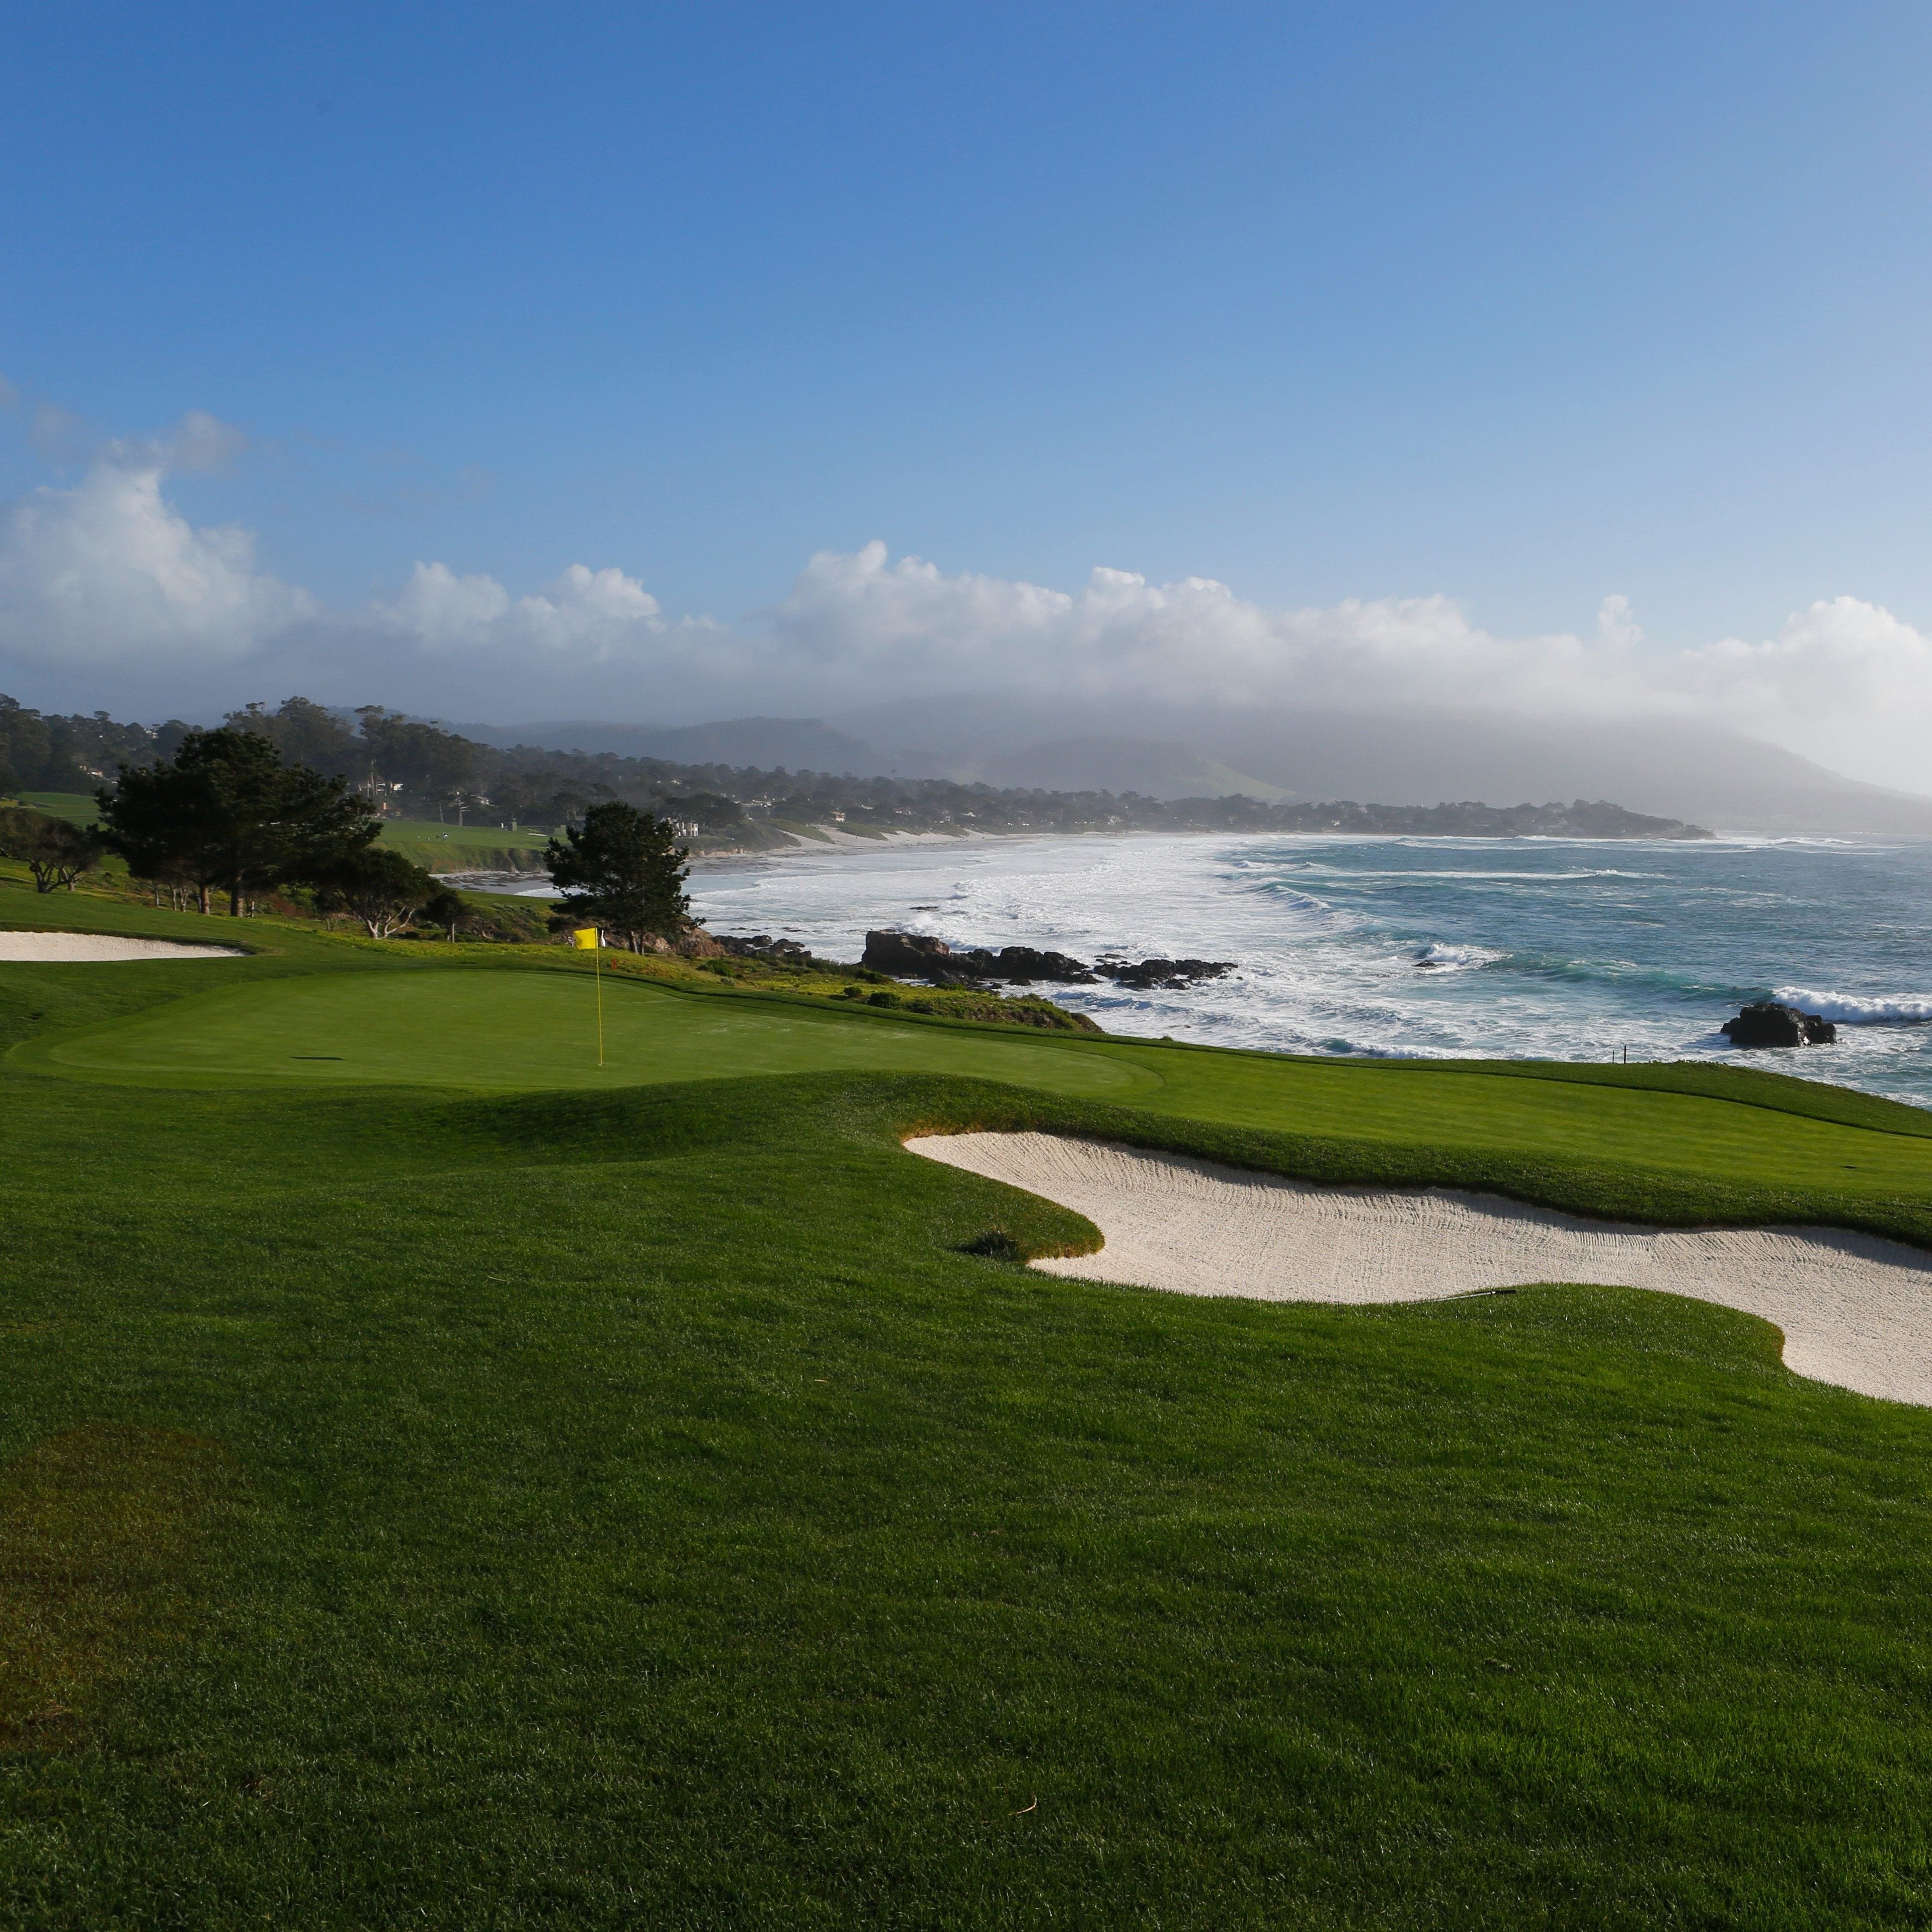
{"points": [[1556, 949]]}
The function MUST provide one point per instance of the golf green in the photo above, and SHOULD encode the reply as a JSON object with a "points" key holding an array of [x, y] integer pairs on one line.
{"points": [[525, 1029], [536, 1030]]}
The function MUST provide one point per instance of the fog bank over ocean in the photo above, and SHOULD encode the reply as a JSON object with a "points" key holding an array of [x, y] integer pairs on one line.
{"points": [[1561, 949]]}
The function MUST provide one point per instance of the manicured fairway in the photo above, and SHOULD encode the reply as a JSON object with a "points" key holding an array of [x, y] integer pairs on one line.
{"points": [[632, 1509], [1447, 1105]]}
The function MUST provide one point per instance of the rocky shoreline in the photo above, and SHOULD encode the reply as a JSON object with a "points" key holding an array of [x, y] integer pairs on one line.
{"points": [[908, 955]]}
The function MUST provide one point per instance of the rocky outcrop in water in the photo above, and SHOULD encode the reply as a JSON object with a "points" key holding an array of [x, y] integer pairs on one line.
{"points": [[1023, 965], [1769, 1023], [1172, 976], [763, 946], [914, 955]]}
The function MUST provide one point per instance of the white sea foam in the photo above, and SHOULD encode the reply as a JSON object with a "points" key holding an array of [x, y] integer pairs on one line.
{"points": [[1847, 1010], [1444, 958], [1423, 948]]}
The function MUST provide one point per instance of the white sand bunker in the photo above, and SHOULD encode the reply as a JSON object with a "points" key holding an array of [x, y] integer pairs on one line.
{"points": [[1855, 1310], [67, 948]]}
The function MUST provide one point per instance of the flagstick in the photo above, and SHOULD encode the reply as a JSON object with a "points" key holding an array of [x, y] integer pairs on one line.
{"points": [[597, 974]]}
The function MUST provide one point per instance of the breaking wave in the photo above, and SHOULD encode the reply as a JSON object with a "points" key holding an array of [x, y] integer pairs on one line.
{"points": [[1376, 946], [1445, 957], [1848, 1011]]}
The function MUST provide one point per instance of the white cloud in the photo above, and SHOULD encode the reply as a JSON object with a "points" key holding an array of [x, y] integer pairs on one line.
{"points": [[586, 621], [1615, 626], [861, 619], [108, 574], [1843, 654], [59, 434], [1845, 681], [200, 442]]}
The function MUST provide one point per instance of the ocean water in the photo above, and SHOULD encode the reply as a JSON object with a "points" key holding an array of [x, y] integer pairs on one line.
{"points": [[1567, 949]]}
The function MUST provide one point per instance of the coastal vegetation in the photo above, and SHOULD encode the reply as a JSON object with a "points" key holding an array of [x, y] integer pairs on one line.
{"points": [[622, 870], [54, 851], [227, 812], [412, 770]]}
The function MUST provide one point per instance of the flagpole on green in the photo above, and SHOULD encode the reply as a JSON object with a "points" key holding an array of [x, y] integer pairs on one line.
{"points": [[590, 940]]}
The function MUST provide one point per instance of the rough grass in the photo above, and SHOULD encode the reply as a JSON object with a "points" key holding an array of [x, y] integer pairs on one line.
{"points": [[634, 1507], [101, 1529]]}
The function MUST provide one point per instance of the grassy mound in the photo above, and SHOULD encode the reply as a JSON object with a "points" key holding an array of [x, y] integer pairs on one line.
{"points": [[519, 1501]]}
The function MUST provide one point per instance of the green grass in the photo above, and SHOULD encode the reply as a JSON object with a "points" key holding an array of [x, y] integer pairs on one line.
{"points": [[1627, 1143], [616, 1506], [494, 1029], [456, 848], [76, 805]]}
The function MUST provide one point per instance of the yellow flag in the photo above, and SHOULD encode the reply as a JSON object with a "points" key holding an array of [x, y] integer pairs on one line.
{"points": [[587, 937]]}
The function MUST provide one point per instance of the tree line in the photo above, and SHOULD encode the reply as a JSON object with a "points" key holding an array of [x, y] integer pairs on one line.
{"points": [[227, 814], [414, 766]]}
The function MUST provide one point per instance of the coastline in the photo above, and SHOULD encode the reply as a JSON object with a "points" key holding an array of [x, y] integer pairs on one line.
{"points": [[825, 839]]}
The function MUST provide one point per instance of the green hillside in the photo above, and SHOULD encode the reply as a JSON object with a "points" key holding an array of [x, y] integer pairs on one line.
{"points": [[445, 1484], [78, 806], [465, 848]]}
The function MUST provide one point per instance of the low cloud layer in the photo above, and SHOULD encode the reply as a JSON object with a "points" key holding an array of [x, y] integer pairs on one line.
{"points": [[108, 596]]}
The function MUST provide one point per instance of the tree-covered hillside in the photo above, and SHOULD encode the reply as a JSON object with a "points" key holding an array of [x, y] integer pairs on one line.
{"points": [[413, 767]]}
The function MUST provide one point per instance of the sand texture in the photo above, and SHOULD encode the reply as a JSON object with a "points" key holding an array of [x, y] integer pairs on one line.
{"points": [[68, 948], [1855, 1310]]}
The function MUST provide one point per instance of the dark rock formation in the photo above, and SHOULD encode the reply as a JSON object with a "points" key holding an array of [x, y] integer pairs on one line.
{"points": [[1172, 976], [1766, 1023], [913, 956], [906, 953], [763, 946], [1022, 965]]}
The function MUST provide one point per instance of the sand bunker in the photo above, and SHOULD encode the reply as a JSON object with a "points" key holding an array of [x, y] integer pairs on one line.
{"points": [[66, 948], [1855, 1310]]}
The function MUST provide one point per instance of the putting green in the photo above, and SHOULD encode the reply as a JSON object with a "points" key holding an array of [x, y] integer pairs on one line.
{"points": [[521, 1029], [535, 1030]]}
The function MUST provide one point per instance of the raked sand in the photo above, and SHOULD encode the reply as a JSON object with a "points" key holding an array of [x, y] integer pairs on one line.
{"points": [[1855, 1310], [68, 948]]}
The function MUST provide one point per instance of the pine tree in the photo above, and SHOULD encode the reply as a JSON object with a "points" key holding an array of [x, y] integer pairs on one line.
{"points": [[624, 871]]}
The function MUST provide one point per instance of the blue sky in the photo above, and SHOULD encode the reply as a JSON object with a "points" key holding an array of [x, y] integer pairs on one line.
{"points": [[1517, 307]]}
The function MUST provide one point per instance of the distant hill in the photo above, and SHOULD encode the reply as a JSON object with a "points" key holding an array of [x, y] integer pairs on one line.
{"points": [[798, 744], [1672, 768], [1675, 769], [1148, 766]]}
